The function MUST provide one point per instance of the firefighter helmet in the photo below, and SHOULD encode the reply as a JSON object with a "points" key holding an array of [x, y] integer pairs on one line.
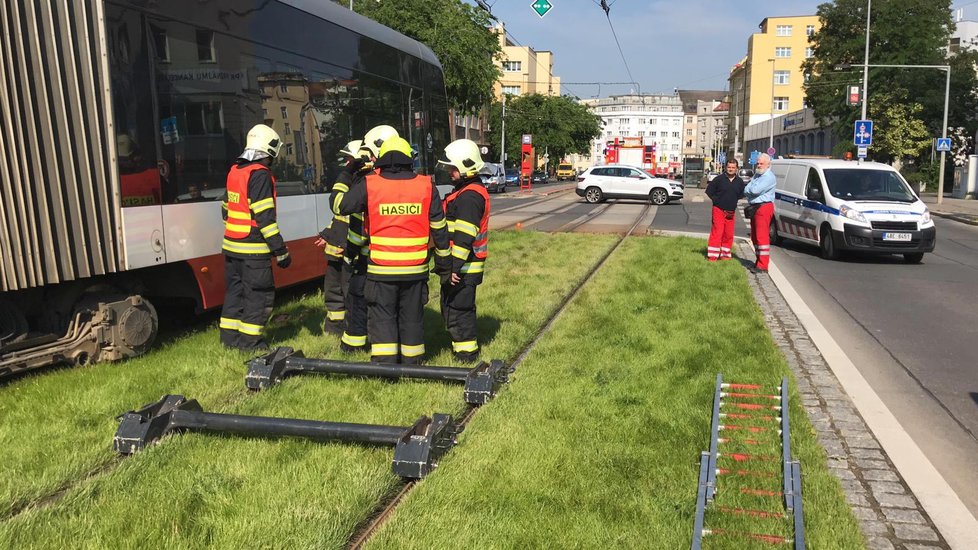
{"points": [[264, 139], [464, 154], [352, 148], [397, 144], [376, 137]]}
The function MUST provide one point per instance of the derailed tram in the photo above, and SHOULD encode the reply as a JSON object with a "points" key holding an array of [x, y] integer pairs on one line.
{"points": [[118, 123]]}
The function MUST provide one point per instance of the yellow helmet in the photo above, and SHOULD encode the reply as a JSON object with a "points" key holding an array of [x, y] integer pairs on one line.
{"points": [[264, 139], [352, 148], [376, 137], [464, 154], [398, 144]]}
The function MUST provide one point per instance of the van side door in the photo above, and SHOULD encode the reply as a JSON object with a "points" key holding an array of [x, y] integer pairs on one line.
{"points": [[813, 210], [786, 197]]}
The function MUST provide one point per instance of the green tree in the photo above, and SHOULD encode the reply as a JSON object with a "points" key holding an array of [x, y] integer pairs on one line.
{"points": [[900, 132], [902, 32], [559, 125], [458, 33]]}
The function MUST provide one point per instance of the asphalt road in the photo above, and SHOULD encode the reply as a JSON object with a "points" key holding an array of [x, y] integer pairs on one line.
{"points": [[912, 330]]}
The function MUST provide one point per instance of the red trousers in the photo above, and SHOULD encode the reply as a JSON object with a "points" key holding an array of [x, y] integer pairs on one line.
{"points": [[760, 234], [721, 235]]}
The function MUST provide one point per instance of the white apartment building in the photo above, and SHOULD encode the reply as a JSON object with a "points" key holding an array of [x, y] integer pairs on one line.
{"points": [[656, 118]]}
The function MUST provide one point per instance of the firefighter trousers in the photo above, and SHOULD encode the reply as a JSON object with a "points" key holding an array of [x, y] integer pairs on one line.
{"points": [[248, 300], [721, 235], [396, 320], [760, 234], [355, 336], [335, 283], [458, 310]]}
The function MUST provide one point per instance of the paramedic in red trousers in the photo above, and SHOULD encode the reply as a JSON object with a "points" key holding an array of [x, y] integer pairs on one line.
{"points": [[724, 190], [760, 201], [467, 212], [333, 240], [403, 212], [251, 241]]}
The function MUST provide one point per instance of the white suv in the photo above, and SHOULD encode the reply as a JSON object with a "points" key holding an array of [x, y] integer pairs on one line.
{"points": [[618, 181]]}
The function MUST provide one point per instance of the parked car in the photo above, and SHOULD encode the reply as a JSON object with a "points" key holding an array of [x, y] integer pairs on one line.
{"points": [[745, 173], [841, 205], [493, 177], [711, 175], [539, 178], [626, 182], [565, 171], [512, 176]]}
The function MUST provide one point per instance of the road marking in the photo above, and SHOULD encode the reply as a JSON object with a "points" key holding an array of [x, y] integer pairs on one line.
{"points": [[949, 514], [699, 198]]}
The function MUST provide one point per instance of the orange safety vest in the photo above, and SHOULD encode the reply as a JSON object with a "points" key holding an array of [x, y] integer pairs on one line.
{"points": [[480, 246], [397, 220], [240, 220]]}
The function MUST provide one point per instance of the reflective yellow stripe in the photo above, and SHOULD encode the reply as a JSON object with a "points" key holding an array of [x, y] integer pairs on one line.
{"points": [[335, 315], [339, 187], [383, 349], [344, 219], [355, 341], [263, 205], [466, 227], [460, 252], [400, 241], [412, 351], [398, 256], [461, 347], [331, 250], [270, 230], [235, 215], [237, 228], [356, 238], [249, 329], [474, 267], [230, 324], [442, 252], [358, 216], [397, 270], [336, 202], [245, 248], [438, 224]]}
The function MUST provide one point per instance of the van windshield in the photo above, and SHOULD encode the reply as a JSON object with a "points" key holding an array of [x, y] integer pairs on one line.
{"points": [[868, 185]]}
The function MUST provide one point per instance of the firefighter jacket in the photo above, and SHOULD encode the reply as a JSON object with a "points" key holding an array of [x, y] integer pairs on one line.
{"points": [[467, 212], [402, 212], [250, 227], [335, 234]]}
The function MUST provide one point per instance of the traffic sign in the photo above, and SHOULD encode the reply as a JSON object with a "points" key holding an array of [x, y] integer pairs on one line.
{"points": [[542, 7], [855, 95], [771, 151], [527, 139], [722, 157], [862, 134], [753, 156], [943, 145], [862, 152]]}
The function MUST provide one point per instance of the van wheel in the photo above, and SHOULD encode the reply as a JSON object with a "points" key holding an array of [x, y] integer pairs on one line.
{"points": [[776, 239], [913, 257], [827, 244], [593, 195], [659, 197]]}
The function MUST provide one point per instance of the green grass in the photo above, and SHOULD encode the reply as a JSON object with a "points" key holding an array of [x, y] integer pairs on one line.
{"points": [[596, 443], [198, 490]]}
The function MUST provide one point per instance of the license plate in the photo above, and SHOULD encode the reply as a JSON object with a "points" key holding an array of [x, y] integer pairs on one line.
{"points": [[904, 237]]}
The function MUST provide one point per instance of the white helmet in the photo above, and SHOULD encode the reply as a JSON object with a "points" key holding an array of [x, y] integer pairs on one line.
{"points": [[352, 148], [464, 154], [377, 136], [264, 139]]}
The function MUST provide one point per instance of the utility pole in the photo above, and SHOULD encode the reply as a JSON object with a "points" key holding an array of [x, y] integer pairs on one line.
{"points": [[502, 139], [869, 4], [771, 140]]}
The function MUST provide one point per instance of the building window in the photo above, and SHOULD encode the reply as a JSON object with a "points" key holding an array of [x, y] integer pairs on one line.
{"points": [[675, 134], [689, 131], [780, 104], [641, 121], [285, 112], [782, 77], [513, 66], [624, 121], [782, 51], [810, 30], [205, 46], [283, 87], [689, 120], [784, 30], [675, 146], [264, 112], [641, 133], [511, 90], [653, 134], [289, 150], [162, 44], [809, 53], [288, 128]]}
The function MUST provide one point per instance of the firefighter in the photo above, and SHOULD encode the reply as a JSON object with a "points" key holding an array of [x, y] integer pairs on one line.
{"points": [[251, 240], [355, 336], [467, 212], [402, 212], [333, 240]]}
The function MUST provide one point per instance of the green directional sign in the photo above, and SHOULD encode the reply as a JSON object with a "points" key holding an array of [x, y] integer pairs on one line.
{"points": [[542, 7]]}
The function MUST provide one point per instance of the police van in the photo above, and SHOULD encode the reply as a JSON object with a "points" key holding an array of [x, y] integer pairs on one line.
{"points": [[843, 205]]}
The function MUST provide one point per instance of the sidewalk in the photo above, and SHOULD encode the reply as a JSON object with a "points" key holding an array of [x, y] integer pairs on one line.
{"points": [[961, 210]]}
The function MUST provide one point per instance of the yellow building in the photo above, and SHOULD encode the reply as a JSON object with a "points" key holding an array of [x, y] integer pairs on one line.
{"points": [[769, 82], [524, 70]]}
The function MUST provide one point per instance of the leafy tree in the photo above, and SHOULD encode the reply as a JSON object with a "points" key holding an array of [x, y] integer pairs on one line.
{"points": [[458, 33], [900, 132], [559, 125], [903, 32]]}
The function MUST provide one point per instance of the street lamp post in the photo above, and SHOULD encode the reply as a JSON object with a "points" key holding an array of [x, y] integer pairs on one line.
{"points": [[770, 144], [869, 5]]}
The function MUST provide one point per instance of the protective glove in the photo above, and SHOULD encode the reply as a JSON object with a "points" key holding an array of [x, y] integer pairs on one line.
{"points": [[355, 165], [283, 260]]}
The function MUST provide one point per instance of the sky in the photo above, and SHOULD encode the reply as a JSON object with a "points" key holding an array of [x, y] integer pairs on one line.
{"points": [[668, 44]]}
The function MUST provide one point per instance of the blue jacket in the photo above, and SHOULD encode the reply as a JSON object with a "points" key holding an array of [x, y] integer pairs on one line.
{"points": [[761, 188]]}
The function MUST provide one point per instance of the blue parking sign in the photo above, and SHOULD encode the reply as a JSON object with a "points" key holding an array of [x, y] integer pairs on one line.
{"points": [[753, 156], [862, 134]]}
